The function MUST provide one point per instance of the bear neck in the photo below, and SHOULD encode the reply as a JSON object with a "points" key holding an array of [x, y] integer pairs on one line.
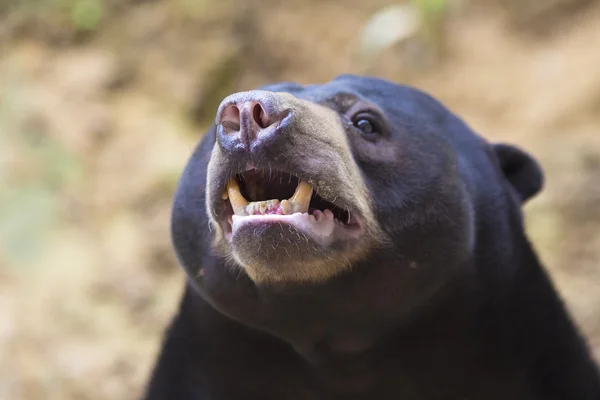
{"points": [[503, 321], [518, 331]]}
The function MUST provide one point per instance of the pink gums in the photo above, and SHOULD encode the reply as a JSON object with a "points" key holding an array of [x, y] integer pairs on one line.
{"points": [[272, 210]]}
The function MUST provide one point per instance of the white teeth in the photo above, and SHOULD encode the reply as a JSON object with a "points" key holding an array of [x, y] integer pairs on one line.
{"points": [[238, 201]]}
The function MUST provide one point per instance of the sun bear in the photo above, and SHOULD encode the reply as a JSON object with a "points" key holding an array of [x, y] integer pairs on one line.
{"points": [[357, 240]]}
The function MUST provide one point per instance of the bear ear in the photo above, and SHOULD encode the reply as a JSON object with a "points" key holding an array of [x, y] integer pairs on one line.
{"points": [[520, 169]]}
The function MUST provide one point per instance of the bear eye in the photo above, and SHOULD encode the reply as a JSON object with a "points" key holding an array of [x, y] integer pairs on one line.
{"points": [[367, 126]]}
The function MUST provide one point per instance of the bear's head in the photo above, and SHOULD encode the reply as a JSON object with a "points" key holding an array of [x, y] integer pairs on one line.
{"points": [[354, 200]]}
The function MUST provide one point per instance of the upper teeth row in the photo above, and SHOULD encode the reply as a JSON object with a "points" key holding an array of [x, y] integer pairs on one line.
{"points": [[299, 201]]}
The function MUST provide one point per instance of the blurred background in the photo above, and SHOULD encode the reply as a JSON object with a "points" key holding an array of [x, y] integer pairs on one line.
{"points": [[101, 103]]}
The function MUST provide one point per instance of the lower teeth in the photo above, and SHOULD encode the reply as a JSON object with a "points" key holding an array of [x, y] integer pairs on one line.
{"points": [[286, 207], [298, 203], [262, 207]]}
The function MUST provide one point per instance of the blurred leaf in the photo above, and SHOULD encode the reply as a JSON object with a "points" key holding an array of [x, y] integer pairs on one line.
{"points": [[26, 216], [193, 8], [431, 7], [87, 14], [389, 26], [57, 166], [29, 209], [35, 170]]}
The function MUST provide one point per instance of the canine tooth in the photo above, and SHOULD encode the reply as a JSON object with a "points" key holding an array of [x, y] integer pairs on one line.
{"points": [[286, 207], [263, 207], [301, 197], [238, 201], [225, 195]]}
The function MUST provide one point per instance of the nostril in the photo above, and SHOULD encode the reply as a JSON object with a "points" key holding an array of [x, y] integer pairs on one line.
{"points": [[247, 120], [259, 116], [231, 118]]}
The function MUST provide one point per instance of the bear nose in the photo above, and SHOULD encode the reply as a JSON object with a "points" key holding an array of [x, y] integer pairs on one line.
{"points": [[247, 119]]}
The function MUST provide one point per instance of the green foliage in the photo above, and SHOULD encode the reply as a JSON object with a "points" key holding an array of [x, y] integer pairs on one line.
{"points": [[27, 215], [82, 15], [34, 170], [431, 7], [86, 15]]}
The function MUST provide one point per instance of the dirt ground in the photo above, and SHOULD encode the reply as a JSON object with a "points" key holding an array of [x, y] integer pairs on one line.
{"points": [[96, 127]]}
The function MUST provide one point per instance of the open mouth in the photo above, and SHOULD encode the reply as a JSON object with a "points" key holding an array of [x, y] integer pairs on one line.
{"points": [[263, 196]]}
